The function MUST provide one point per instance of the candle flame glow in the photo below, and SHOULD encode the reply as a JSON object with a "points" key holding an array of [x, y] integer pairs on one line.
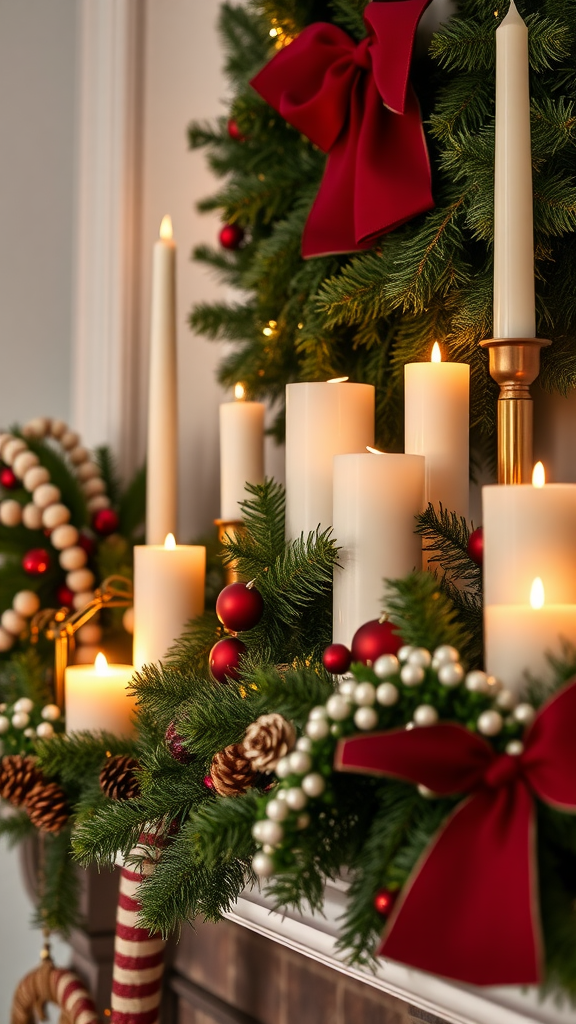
{"points": [[166, 228], [538, 475], [239, 392], [436, 356], [338, 380], [170, 542], [101, 664], [537, 593], [374, 451]]}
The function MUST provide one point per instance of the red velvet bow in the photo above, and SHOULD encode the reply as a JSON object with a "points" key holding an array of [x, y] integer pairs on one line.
{"points": [[355, 103], [470, 908]]}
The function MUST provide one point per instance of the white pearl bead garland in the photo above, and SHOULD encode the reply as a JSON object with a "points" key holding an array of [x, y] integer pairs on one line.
{"points": [[490, 723], [387, 694], [425, 714], [412, 675], [366, 718], [386, 665]]}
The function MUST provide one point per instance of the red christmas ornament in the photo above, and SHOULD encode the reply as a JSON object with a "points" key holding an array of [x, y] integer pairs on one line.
{"points": [[36, 561], [208, 782], [234, 131], [105, 521], [224, 659], [231, 236], [337, 659], [8, 479], [176, 745], [87, 543], [239, 607], [64, 596], [475, 546], [384, 901], [373, 639]]}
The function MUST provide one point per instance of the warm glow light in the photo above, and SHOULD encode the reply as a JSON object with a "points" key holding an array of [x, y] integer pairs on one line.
{"points": [[100, 664], [268, 331], [273, 32], [374, 451], [166, 227], [170, 542], [239, 392], [537, 594], [538, 475], [436, 356], [338, 380]]}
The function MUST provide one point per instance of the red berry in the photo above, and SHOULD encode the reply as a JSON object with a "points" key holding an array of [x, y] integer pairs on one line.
{"points": [[476, 546], [337, 659], [177, 745], [373, 639], [384, 900], [105, 521], [239, 607], [208, 782], [8, 479], [87, 543], [234, 131], [65, 596], [231, 236], [224, 659], [36, 561]]}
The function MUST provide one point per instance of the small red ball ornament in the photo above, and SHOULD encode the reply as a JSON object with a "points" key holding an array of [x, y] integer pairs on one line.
{"points": [[384, 900], [105, 521], [36, 561], [234, 131], [224, 659], [176, 745], [64, 596], [239, 607], [337, 659], [476, 545], [231, 236], [208, 782], [374, 639], [8, 479]]}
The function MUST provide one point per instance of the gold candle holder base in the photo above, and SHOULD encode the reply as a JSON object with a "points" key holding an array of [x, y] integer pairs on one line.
{"points": [[514, 364], [231, 528]]}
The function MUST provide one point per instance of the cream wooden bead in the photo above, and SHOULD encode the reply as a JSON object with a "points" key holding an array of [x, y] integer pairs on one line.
{"points": [[23, 462], [34, 477], [82, 600], [13, 622], [97, 502], [55, 515], [79, 580], [57, 428], [37, 427], [90, 633], [46, 494], [6, 639], [69, 440], [65, 536], [10, 512], [4, 437], [73, 558], [12, 448], [78, 455], [94, 486], [26, 603], [87, 470], [32, 517], [86, 655]]}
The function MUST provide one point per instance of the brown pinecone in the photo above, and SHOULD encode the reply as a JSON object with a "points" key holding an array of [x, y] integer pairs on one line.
{"points": [[47, 806], [117, 778], [268, 739], [231, 773], [18, 775]]}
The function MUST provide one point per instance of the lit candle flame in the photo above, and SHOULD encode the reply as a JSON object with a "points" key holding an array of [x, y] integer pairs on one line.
{"points": [[239, 392], [338, 380], [170, 542], [538, 475], [374, 451], [436, 356], [101, 664], [537, 594], [166, 228]]}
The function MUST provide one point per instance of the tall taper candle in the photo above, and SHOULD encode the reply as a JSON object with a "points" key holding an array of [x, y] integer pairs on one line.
{"points": [[162, 453], [514, 303]]}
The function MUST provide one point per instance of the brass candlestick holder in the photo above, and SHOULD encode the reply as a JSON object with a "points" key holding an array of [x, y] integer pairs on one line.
{"points": [[231, 528], [60, 626], [514, 364]]}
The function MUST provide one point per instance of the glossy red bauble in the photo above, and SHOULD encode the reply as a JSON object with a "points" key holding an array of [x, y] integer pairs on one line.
{"points": [[239, 607], [224, 659], [234, 131], [374, 639], [476, 545], [105, 521], [337, 659], [8, 479], [231, 236], [64, 596], [384, 900], [177, 745], [36, 561]]}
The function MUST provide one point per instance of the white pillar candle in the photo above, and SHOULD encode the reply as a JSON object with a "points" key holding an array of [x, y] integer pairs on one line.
{"points": [[162, 453], [529, 531], [436, 425], [514, 303], [322, 420], [97, 698], [518, 638], [376, 497], [241, 451], [169, 584]]}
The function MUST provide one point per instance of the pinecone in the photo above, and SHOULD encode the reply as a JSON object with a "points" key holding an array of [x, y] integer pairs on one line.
{"points": [[117, 778], [18, 775], [47, 806], [231, 773], [268, 739]]}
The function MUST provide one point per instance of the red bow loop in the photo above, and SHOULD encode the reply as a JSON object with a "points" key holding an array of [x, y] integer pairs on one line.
{"points": [[355, 103]]}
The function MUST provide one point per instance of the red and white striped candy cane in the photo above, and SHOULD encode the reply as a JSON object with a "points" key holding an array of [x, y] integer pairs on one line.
{"points": [[71, 996]]}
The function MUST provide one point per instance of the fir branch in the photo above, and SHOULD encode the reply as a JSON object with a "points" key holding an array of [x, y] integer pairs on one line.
{"points": [[424, 614]]}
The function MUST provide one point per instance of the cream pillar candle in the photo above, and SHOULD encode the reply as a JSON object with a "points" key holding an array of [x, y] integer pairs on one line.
{"points": [[376, 497], [97, 698], [169, 584], [436, 425], [519, 636], [529, 531], [322, 420], [514, 303], [162, 453], [241, 451]]}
